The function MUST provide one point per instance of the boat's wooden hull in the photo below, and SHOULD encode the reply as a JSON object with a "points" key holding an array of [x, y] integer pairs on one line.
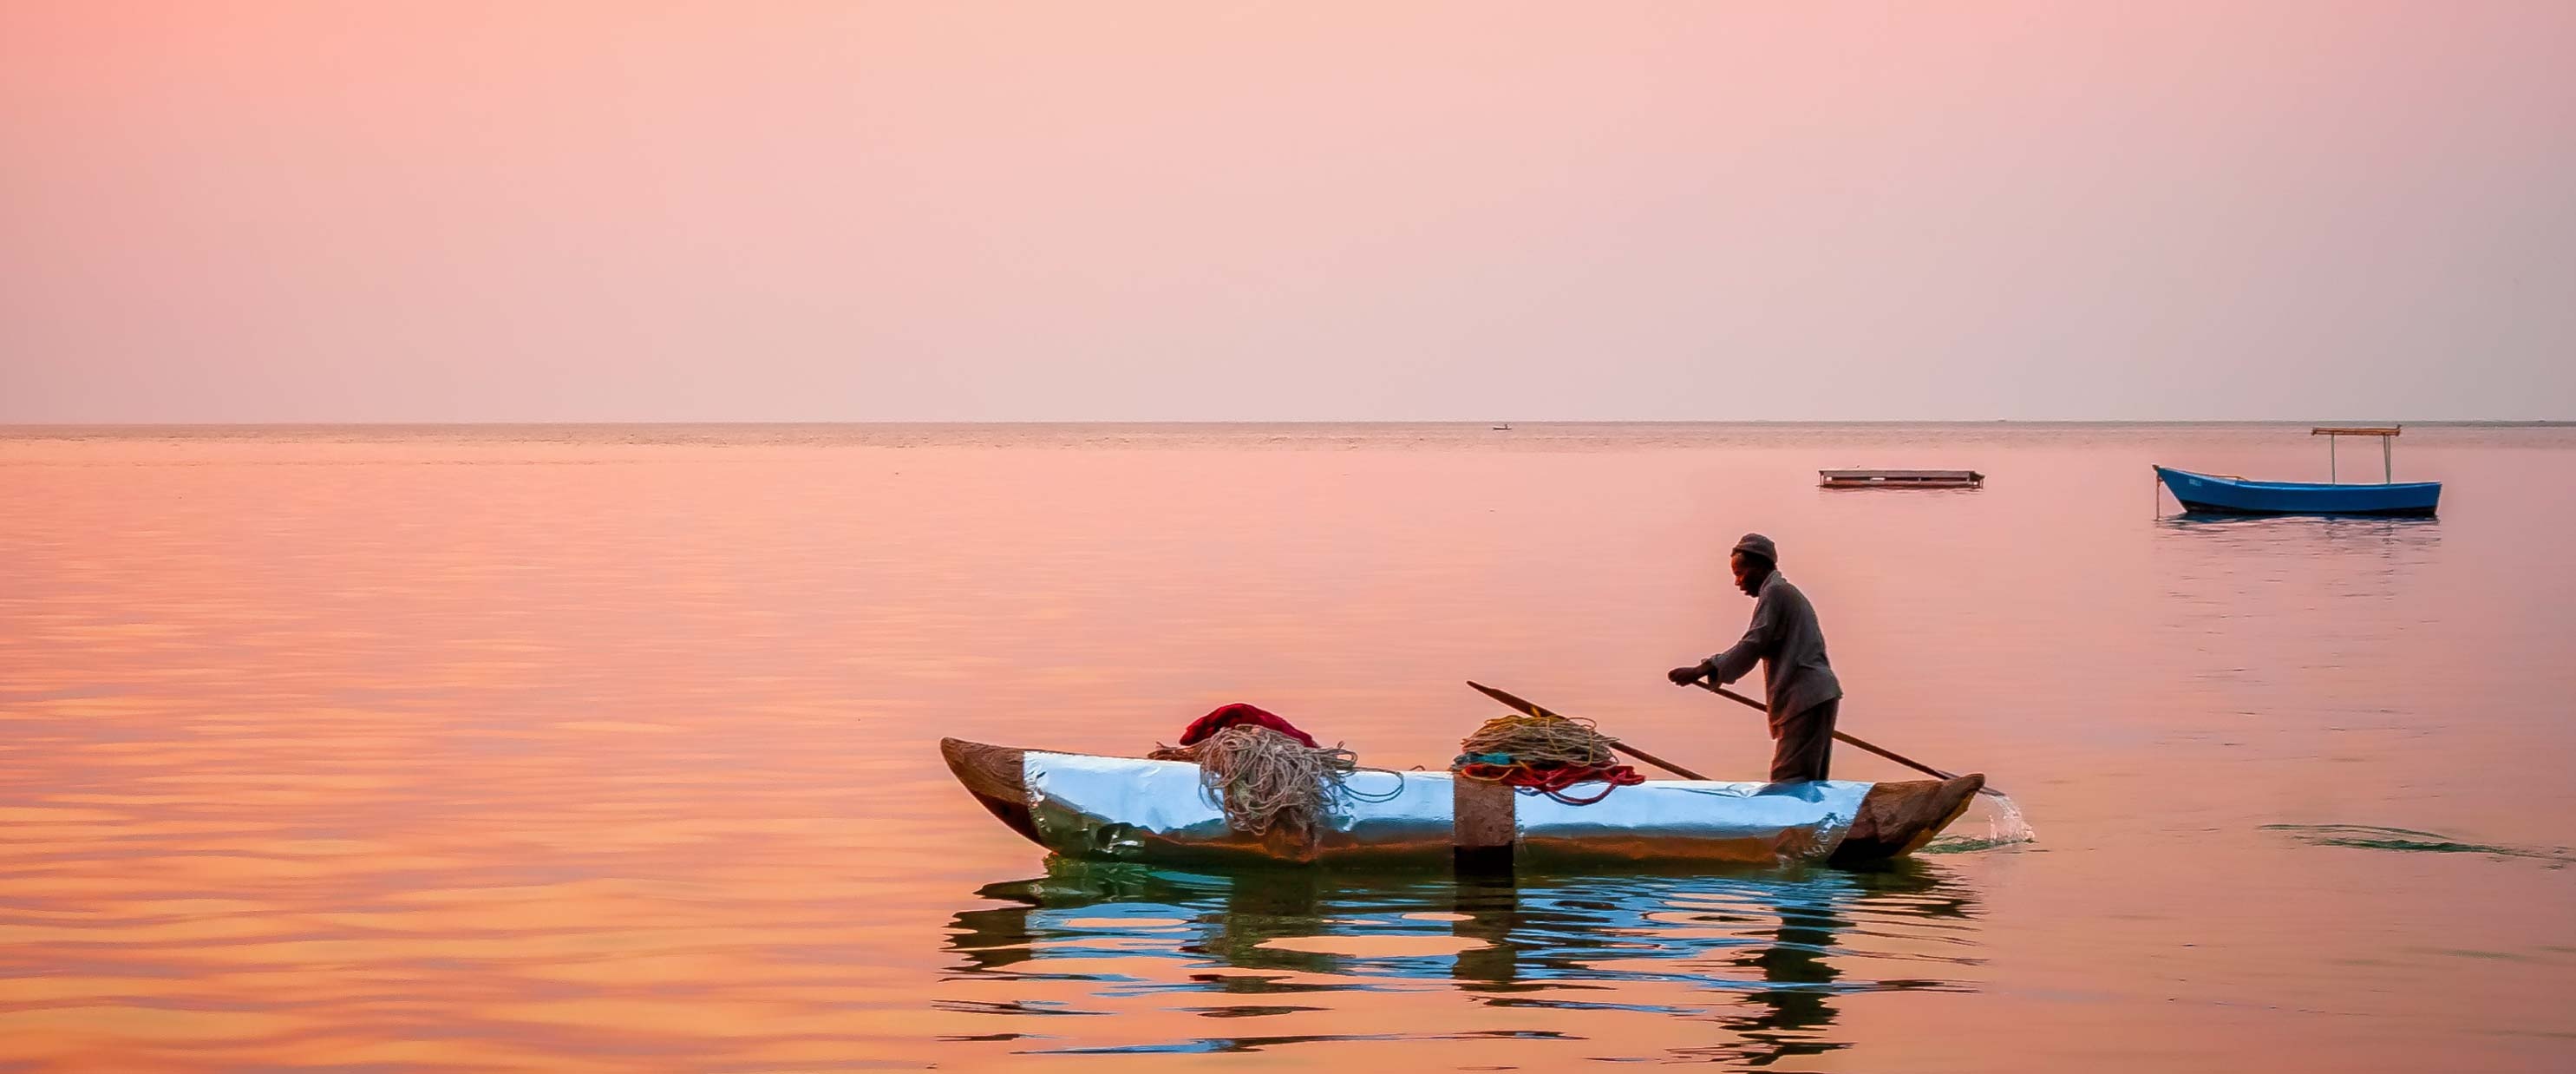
{"points": [[2216, 495], [1123, 809]]}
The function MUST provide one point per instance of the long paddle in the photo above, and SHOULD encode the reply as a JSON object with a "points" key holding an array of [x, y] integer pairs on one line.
{"points": [[1841, 737], [1533, 710]]}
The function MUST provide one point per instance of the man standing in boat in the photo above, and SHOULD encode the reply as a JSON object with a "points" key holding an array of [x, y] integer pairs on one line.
{"points": [[1785, 638]]}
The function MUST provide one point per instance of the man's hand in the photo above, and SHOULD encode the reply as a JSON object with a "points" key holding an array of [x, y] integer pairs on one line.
{"points": [[1688, 675]]}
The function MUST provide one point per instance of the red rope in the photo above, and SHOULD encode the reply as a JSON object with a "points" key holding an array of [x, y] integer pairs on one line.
{"points": [[1553, 781]]}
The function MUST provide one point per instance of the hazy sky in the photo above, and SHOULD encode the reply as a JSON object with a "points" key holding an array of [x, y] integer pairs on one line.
{"points": [[532, 210]]}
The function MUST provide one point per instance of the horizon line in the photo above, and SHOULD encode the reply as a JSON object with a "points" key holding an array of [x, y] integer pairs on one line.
{"points": [[508, 423]]}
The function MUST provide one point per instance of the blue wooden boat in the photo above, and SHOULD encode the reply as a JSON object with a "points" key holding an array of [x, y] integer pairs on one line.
{"points": [[2229, 495], [2212, 494]]}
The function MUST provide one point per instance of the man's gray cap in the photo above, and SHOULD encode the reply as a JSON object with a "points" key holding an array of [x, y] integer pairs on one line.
{"points": [[1755, 544]]}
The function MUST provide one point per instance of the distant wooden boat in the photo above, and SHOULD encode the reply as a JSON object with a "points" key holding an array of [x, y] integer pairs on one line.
{"points": [[1128, 809], [2231, 495], [1503, 428], [1900, 479]]}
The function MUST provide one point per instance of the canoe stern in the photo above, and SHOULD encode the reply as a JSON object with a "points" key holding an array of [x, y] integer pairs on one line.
{"points": [[1899, 818]]}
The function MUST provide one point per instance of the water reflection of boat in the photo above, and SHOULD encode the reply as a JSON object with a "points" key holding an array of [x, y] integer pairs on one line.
{"points": [[1762, 954], [1127, 809]]}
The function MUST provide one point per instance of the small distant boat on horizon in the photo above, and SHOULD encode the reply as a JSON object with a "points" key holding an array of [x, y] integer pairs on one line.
{"points": [[1900, 479], [2227, 494], [1503, 428]]}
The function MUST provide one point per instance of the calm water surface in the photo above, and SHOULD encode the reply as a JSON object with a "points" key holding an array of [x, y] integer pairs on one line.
{"points": [[612, 748]]}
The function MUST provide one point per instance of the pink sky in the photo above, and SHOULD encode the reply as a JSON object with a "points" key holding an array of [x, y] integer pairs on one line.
{"points": [[271, 211]]}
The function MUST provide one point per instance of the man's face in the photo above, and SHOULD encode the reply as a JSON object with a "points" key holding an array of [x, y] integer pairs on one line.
{"points": [[1748, 572]]}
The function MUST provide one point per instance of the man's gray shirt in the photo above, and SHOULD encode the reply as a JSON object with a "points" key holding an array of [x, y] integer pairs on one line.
{"points": [[1791, 647]]}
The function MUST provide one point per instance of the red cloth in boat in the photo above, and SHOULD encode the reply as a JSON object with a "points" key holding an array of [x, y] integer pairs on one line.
{"points": [[1230, 715]]}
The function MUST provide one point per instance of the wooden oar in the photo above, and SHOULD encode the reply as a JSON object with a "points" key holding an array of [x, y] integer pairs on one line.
{"points": [[1533, 710], [1841, 737]]}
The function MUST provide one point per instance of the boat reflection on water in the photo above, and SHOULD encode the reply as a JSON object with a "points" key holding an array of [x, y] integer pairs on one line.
{"points": [[2313, 533], [1762, 955], [2219, 571]]}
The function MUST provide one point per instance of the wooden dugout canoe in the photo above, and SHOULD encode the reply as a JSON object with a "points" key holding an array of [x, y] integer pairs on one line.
{"points": [[1127, 809]]}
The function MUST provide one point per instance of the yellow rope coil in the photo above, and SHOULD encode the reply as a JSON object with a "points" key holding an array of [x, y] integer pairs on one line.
{"points": [[1264, 779], [1539, 742]]}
